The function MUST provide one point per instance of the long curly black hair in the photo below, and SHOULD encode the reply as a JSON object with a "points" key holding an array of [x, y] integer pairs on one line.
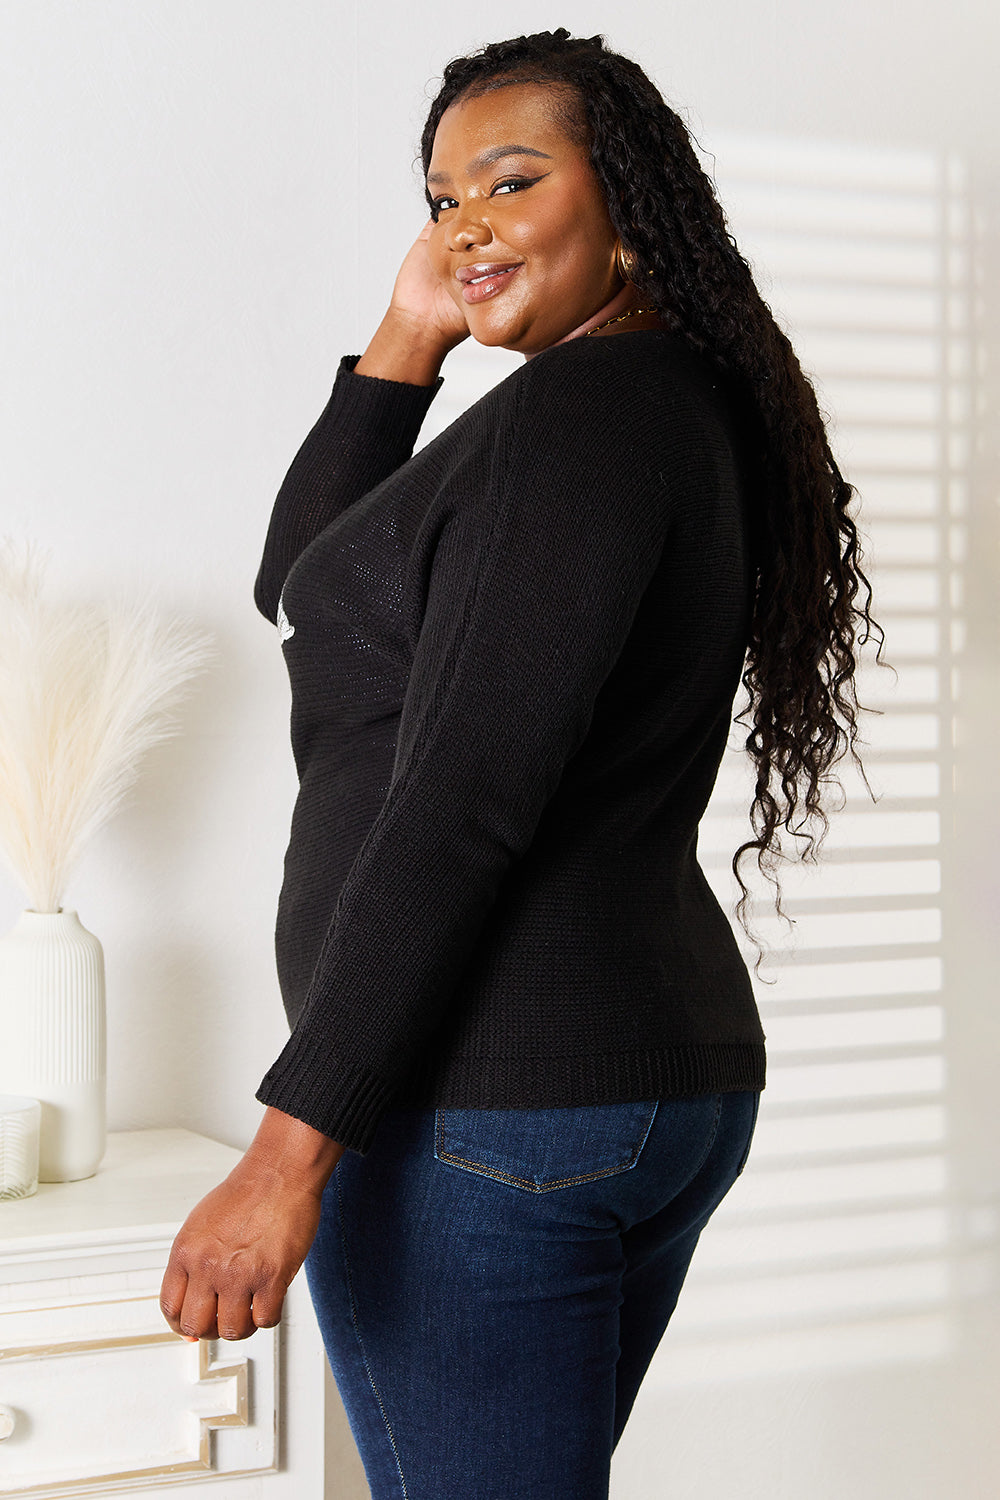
{"points": [[800, 665]]}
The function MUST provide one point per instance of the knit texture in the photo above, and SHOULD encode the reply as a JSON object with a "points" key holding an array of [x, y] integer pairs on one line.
{"points": [[513, 658]]}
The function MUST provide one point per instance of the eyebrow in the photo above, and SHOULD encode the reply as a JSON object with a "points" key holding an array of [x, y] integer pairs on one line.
{"points": [[487, 159]]}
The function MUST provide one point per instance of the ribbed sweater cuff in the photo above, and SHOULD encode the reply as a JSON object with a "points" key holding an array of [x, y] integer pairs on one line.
{"points": [[341, 1101], [392, 408]]}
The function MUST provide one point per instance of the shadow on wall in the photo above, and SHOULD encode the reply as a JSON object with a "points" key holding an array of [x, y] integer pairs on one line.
{"points": [[847, 1242]]}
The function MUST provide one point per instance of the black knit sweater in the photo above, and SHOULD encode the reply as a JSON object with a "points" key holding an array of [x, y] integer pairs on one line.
{"points": [[513, 659]]}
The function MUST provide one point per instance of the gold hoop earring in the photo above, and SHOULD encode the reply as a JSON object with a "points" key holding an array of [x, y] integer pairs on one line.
{"points": [[628, 265]]}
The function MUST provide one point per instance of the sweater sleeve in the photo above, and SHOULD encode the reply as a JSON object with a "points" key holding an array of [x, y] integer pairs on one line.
{"points": [[366, 430], [529, 604]]}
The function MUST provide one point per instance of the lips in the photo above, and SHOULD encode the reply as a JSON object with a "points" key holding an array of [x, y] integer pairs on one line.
{"points": [[486, 279]]}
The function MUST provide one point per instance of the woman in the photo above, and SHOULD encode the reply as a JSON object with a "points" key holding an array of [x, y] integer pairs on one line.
{"points": [[525, 1057]]}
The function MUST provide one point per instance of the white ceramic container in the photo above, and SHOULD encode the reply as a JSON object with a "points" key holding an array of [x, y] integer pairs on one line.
{"points": [[53, 1037]]}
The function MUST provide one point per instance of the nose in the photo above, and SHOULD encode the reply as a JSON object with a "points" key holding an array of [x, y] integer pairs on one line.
{"points": [[468, 228]]}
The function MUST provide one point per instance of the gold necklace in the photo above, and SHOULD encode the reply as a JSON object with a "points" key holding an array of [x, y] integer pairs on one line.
{"points": [[634, 313]]}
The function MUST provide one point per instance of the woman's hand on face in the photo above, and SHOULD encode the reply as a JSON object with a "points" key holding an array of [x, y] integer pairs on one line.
{"points": [[422, 324], [420, 295], [237, 1251]]}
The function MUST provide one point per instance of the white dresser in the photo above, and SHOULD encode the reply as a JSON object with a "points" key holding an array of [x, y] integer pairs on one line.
{"points": [[97, 1395]]}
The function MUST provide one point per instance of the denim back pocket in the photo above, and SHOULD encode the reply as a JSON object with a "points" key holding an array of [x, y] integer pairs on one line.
{"points": [[542, 1149]]}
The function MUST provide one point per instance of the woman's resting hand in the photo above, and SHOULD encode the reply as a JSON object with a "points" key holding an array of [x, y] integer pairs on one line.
{"points": [[239, 1248]]}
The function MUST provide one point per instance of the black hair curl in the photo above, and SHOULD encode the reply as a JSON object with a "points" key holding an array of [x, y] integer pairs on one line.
{"points": [[800, 665]]}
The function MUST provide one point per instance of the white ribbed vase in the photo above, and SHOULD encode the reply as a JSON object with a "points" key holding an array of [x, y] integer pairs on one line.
{"points": [[53, 1037]]}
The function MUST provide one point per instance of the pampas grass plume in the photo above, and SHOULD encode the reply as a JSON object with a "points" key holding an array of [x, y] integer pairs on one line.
{"points": [[85, 690]]}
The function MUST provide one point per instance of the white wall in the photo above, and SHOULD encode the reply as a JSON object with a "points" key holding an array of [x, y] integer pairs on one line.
{"points": [[204, 206]]}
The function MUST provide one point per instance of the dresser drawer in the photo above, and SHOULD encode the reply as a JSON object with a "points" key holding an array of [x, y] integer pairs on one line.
{"points": [[97, 1395]]}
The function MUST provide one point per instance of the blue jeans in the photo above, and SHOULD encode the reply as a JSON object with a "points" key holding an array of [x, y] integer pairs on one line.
{"points": [[491, 1284]]}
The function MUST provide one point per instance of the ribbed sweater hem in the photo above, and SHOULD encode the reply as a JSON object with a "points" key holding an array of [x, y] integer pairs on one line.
{"points": [[541, 1082], [347, 1103]]}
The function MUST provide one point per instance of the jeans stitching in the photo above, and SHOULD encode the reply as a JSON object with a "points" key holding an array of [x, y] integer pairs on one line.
{"points": [[753, 1125], [711, 1138], [498, 1175], [361, 1342]]}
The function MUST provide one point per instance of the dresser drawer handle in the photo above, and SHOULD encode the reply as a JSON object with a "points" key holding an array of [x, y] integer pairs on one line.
{"points": [[8, 1420]]}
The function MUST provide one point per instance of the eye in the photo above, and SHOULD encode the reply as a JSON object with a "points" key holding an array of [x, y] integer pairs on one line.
{"points": [[438, 205], [508, 185], [513, 185]]}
